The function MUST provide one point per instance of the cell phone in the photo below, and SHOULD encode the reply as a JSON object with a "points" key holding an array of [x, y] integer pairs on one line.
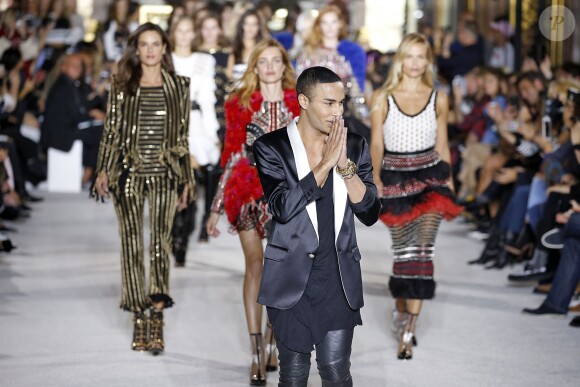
{"points": [[546, 127], [514, 100]]}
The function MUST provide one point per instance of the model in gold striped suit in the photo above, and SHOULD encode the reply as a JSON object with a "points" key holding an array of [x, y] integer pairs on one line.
{"points": [[144, 155]]}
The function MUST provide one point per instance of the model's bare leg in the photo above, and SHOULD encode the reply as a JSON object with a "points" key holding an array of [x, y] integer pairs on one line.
{"points": [[254, 256]]}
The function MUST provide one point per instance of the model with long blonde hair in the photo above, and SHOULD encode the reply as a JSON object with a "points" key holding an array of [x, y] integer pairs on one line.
{"points": [[411, 168], [265, 101]]}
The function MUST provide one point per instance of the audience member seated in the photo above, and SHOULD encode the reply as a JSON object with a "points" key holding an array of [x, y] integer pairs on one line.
{"points": [[461, 59], [78, 119]]}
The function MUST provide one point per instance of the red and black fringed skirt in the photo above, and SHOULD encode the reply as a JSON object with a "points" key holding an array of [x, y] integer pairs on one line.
{"points": [[244, 201], [416, 196]]}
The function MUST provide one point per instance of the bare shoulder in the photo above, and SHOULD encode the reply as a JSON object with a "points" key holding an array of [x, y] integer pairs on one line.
{"points": [[441, 103], [442, 100], [378, 102]]}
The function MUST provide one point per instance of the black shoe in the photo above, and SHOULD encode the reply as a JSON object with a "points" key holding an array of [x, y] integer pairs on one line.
{"points": [[30, 198], [179, 257], [6, 245], [9, 213], [530, 273], [203, 235], [503, 259], [575, 322], [523, 245], [493, 248], [543, 309]]}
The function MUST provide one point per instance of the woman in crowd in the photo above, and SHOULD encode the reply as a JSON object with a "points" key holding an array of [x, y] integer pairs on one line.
{"points": [[117, 29], [327, 46], [209, 39], [144, 154], [248, 35], [412, 173], [265, 101], [203, 125]]}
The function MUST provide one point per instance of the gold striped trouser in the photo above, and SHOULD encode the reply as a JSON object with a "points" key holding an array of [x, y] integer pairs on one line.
{"points": [[161, 195]]}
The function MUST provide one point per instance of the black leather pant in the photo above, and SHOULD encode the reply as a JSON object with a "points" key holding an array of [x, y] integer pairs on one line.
{"points": [[332, 357]]}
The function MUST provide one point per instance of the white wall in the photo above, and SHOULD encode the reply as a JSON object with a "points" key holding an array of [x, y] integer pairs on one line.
{"points": [[384, 21]]}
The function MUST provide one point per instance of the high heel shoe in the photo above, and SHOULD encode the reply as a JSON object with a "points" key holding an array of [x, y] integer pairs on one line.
{"points": [[398, 324], [271, 350], [406, 341], [257, 369], [140, 338], [156, 344]]}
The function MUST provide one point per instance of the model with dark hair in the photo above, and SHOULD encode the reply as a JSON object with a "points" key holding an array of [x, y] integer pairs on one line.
{"points": [[411, 170], [316, 178], [265, 102], [144, 154], [249, 32], [204, 144], [209, 38]]}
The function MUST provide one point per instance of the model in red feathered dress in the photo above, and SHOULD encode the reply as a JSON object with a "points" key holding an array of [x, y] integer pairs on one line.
{"points": [[240, 192], [265, 101]]}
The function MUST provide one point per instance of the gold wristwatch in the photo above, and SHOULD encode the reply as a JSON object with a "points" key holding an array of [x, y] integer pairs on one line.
{"points": [[348, 171]]}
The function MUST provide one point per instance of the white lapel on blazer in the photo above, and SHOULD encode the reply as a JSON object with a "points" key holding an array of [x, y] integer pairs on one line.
{"points": [[302, 167], [340, 193]]}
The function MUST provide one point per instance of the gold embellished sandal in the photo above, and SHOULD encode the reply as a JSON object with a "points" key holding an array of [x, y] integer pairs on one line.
{"points": [[140, 338], [156, 344]]}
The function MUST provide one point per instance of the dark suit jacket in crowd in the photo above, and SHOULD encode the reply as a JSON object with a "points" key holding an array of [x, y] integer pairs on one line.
{"points": [[65, 109], [291, 190]]}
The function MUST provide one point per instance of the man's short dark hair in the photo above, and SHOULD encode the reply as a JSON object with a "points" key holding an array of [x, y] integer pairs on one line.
{"points": [[312, 76], [530, 76]]}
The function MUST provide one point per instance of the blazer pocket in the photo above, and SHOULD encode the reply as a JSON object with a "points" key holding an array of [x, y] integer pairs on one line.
{"points": [[275, 253], [356, 254]]}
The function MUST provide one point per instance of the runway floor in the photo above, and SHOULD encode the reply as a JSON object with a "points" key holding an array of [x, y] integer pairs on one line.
{"points": [[60, 324]]}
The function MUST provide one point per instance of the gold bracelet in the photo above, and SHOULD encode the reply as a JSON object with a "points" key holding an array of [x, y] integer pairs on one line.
{"points": [[348, 171]]}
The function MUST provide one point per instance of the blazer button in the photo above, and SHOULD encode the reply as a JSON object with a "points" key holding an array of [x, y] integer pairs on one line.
{"points": [[311, 255]]}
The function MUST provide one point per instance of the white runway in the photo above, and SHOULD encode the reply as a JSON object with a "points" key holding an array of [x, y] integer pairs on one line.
{"points": [[60, 324]]}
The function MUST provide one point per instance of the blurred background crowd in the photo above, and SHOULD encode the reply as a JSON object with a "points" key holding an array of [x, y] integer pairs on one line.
{"points": [[514, 100]]}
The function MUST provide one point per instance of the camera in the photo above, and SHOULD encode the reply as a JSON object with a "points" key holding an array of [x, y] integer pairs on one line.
{"points": [[459, 81], [553, 116]]}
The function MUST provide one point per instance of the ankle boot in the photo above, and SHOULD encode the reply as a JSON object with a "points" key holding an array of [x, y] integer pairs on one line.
{"points": [[258, 367], [503, 259], [523, 245], [203, 235], [271, 351], [492, 248], [405, 351], [156, 344], [140, 332]]}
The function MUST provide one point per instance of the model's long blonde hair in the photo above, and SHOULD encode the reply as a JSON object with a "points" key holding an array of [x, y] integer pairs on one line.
{"points": [[396, 71], [250, 82]]}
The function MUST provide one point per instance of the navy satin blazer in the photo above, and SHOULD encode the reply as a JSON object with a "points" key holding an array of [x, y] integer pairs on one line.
{"points": [[291, 191]]}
